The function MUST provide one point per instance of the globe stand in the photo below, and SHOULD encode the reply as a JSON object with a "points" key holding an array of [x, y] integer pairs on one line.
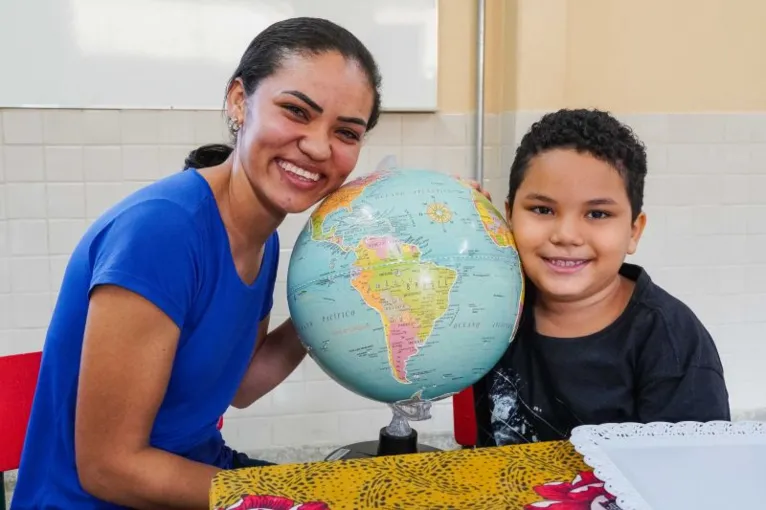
{"points": [[397, 438]]}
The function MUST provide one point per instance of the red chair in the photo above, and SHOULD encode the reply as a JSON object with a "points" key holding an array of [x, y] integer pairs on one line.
{"points": [[18, 380], [464, 418]]}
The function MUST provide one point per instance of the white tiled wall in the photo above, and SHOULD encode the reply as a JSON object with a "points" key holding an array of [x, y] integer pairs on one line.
{"points": [[705, 241], [60, 169]]}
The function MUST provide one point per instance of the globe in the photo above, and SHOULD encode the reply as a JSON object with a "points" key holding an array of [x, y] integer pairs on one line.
{"points": [[405, 285]]}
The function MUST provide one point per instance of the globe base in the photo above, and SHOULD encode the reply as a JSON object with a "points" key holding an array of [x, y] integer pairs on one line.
{"points": [[398, 438], [391, 444], [385, 445]]}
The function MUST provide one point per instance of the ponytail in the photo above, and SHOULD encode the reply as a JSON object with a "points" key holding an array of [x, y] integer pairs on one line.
{"points": [[208, 155]]}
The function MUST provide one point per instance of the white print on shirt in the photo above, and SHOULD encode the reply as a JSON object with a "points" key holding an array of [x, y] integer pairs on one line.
{"points": [[508, 421]]}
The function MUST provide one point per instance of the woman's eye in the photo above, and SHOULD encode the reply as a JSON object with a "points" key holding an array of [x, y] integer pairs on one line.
{"points": [[296, 111], [540, 209], [598, 215], [347, 133]]}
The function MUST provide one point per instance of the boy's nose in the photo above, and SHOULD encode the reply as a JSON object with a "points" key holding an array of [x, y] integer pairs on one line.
{"points": [[566, 232]]}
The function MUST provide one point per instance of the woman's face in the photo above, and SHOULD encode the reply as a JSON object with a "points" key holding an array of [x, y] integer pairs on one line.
{"points": [[302, 129]]}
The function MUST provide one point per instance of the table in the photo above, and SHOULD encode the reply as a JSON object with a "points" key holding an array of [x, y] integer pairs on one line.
{"points": [[514, 477]]}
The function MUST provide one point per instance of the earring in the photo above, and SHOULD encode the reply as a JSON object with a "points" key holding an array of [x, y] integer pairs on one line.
{"points": [[233, 125]]}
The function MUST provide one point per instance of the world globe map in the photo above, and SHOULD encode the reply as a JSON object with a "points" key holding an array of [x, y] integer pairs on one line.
{"points": [[405, 285]]}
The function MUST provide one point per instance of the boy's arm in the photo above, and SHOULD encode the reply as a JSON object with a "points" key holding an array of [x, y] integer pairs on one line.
{"points": [[680, 376], [699, 394]]}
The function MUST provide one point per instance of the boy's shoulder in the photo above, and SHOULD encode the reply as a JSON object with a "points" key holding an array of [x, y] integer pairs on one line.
{"points": [[648, 295], [678, 371], [658, 319]]}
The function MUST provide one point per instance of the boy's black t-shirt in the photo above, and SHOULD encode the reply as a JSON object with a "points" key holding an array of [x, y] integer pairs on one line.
{"points": [[656, 362]]}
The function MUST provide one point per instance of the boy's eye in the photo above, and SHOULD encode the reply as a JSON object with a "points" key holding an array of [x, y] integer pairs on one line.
{"points": [[598, 215], [541, 209]]}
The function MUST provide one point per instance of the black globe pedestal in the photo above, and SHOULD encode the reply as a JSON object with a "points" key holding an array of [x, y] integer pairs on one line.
{"points": [[387, 444], [398, 438]]}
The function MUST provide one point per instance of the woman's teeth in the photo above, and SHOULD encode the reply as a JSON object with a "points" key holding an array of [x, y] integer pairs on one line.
{"points": [[293, 169]]}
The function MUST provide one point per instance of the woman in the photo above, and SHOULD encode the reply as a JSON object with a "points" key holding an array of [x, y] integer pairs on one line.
{"points": [[163, 312]]}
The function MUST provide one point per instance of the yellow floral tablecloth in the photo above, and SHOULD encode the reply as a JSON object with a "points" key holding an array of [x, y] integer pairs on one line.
{"points": [[543, 475]]}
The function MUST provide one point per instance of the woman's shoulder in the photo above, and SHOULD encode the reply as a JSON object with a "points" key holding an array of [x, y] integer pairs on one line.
{"points": [[183, 191], [175, 203]]}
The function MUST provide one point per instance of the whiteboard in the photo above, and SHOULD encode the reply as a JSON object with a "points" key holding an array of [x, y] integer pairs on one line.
{"points": [[161, 54]]}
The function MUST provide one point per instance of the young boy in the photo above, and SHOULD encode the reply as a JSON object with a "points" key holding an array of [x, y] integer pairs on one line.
{"points": [[598, 342]]}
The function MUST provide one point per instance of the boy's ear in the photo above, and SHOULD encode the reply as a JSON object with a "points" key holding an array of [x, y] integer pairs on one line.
{"points": [[507, 211], [636, 231]]}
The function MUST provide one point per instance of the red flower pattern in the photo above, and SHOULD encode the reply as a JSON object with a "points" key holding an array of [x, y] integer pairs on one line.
{"points": [[585, 492], [274, 503]]}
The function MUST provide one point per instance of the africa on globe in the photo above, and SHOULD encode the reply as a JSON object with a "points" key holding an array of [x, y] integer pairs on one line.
{"points": [[405, 285]]}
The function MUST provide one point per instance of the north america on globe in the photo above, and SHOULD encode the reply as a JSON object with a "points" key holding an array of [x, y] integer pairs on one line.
{"points": [[405, 285]]}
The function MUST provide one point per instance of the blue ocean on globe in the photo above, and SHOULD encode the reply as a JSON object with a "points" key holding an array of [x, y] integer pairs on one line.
{"points": [[405, 285]]}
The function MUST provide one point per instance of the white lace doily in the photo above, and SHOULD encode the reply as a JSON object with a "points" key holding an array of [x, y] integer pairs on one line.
{"points": [[665, 466]]}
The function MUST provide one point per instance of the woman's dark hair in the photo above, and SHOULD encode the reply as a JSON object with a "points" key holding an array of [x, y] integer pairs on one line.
{"points": [[265, 54], [593, 132]]}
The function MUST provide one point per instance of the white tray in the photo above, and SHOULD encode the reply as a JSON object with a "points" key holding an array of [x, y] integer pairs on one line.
{"points": [[689, 465]]}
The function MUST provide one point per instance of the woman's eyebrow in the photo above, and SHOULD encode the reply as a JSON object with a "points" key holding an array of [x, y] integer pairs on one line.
{"points": [[314, 106], [306, 99]]}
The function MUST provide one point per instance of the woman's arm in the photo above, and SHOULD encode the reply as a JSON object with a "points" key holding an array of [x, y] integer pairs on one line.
{"points": [[128, 353], [277, 354]]}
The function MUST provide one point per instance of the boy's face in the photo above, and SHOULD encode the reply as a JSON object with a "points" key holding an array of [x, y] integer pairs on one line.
{"points": [[571, 220]]}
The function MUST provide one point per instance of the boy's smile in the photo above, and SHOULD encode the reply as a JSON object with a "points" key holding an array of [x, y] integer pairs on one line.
{"points": [[565, 265], [572, 222]]}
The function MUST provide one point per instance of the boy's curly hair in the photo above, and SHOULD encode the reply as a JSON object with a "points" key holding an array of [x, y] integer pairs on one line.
{"points": [[594, 132]]}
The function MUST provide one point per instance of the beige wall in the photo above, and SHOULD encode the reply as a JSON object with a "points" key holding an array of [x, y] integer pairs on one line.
{"points": [[457, 56], [624, 55]]}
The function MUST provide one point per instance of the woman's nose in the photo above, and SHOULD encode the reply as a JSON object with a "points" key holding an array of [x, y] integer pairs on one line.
{"points": [[316, 145]]}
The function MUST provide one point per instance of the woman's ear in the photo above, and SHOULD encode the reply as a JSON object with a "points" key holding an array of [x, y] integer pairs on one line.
{"points": [[235, 102]]}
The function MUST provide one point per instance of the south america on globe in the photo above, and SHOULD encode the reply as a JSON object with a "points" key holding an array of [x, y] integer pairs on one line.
{"points": [[405, 285]]}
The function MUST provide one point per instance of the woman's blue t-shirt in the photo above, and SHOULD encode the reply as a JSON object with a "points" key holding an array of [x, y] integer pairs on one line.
{"points": [[166, 242]]}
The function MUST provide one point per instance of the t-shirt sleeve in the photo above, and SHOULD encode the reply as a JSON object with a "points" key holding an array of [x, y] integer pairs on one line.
{"points": [[152, 248], [680, 375], [272, 261]]}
